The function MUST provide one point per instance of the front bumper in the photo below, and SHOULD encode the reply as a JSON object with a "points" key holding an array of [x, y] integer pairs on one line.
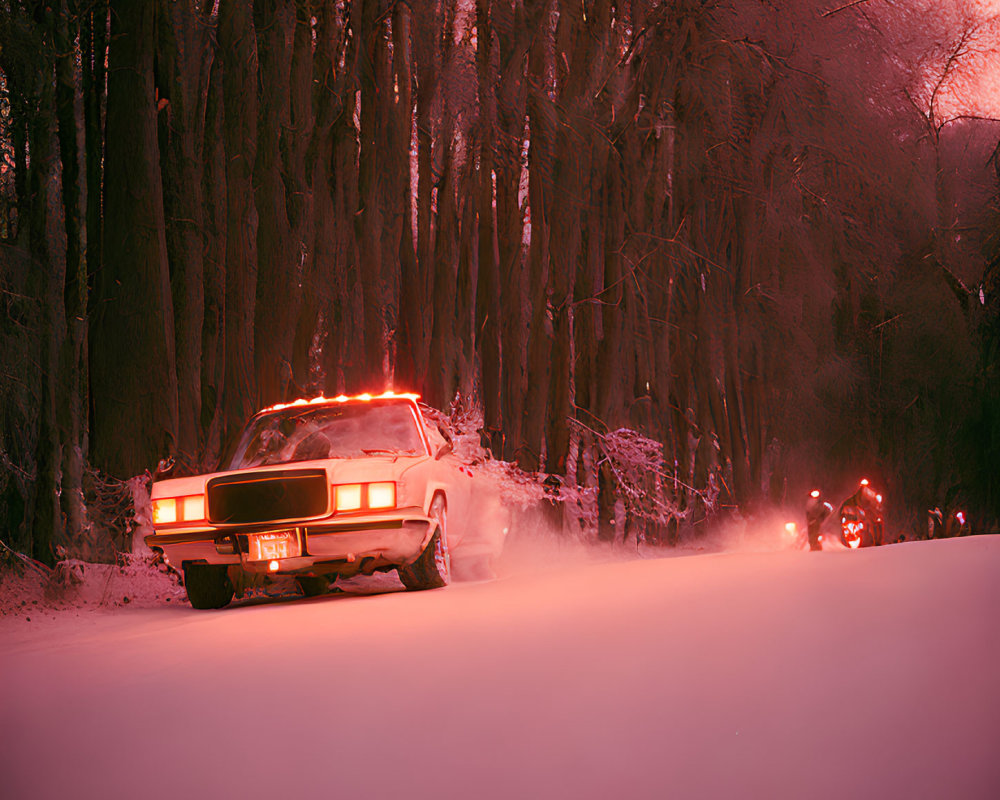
{"points": [[332, 545]]}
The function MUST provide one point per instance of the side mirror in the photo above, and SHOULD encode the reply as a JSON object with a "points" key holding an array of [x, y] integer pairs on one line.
{"points": [[165, 466], [446, 448]]}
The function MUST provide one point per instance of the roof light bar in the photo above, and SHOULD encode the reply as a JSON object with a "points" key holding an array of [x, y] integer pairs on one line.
{"points": [[341, 398]]}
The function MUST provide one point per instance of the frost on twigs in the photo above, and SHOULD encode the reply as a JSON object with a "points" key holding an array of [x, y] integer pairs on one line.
{"points": [[462, 426], [18, 563], [132, 580], [66, 578], [142, 513], [115, 508], [643, 487], [641, 481]]}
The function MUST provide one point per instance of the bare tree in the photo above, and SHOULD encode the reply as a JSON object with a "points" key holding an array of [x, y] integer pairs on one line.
{"points": [[238, 50], [133, 368]]}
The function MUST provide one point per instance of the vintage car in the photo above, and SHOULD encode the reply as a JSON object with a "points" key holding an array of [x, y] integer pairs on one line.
{"points": [[325, 488]]}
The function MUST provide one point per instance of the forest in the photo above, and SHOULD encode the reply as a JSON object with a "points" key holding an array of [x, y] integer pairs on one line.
{"points": [[689, 257]]}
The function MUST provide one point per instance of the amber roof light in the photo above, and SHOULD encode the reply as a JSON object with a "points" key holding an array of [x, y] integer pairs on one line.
{"points": [[342, 398]]}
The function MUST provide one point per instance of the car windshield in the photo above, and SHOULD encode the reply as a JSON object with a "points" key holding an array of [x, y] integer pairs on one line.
{"points": [[337, 431]]}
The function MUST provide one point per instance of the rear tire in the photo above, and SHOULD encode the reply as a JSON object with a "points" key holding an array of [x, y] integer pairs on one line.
{"points": [[432, 569], [208, 585]]}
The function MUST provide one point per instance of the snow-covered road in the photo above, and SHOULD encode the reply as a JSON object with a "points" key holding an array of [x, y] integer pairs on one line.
{"points": [[873, 673]]}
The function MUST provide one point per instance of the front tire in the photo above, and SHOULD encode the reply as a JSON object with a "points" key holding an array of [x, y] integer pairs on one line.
{"points": [[432, 569], [208, 585]]}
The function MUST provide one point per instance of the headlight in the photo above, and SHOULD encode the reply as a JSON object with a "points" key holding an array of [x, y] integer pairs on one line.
{"points": [[382, 495], [356, 496], [164, 511], [193, 508], [347, 497], [179, 509]]}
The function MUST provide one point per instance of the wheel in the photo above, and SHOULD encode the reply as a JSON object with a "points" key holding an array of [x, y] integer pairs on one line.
{"points": [[432, 569], [208, 585], [312, 585]]}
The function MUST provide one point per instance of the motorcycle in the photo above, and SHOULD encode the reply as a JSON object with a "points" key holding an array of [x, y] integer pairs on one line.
{"points": [[861, 523], [940, 526]]}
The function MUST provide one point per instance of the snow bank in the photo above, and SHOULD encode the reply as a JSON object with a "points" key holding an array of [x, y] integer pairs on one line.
{"points": [[35, 593]]}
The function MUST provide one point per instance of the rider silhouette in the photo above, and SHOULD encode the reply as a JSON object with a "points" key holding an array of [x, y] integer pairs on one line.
{"points": [[816, 513], [865, 505]]}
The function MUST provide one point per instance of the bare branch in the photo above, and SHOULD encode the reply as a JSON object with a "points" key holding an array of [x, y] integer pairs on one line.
{"points": [[833, 11], [958, 51]]}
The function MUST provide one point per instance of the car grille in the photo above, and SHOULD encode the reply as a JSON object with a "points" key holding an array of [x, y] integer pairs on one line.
{"points": [[254, 497]]}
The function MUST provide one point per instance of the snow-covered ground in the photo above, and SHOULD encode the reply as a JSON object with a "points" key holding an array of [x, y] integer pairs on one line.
{"points": [[749, 673]]}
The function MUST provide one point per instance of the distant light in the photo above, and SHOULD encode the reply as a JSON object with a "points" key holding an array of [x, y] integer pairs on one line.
{"points": [[814, 493], [960, 516], [790, 528], [864, 481], [273, 566], [878, 498]]}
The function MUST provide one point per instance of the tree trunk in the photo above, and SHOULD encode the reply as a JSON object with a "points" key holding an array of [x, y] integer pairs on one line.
{"points": [[317, 339], [72, 380], [411, 308], [239, 91], [184, 62], [279, 256], [46, 243], [488, 279], [445, 345], [369, 221], [347, 359], [541, 113], [133, 373], [432, 41], [213, 335], [94, 44], [514, 39]]}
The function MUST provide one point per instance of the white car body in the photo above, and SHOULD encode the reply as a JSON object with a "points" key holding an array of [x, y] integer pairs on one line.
{"points": [[280, 509]]}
